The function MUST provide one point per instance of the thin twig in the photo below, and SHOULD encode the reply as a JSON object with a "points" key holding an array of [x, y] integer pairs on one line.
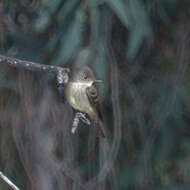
{"points": [[30, 65], [62, 73], [8, 181]]}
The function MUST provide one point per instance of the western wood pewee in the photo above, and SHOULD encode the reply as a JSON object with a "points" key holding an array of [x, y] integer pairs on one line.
{"points": [[82, 95]]}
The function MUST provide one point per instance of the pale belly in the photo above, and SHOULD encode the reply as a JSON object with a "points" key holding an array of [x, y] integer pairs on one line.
{"points": [[78, 99]]}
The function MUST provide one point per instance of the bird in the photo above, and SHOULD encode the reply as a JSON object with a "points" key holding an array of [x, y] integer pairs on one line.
{"points": [[82, 94]]}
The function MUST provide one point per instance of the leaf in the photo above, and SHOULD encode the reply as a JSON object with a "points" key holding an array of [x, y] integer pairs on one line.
{"points": [[70, 42], [120, 9], [136, 38], [134, 17], [65, 19], [42, 22], [50, 5], [140, 27]]}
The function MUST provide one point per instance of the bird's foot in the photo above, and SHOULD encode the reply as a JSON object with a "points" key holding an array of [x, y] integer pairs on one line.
{"points": [[79, 116]]}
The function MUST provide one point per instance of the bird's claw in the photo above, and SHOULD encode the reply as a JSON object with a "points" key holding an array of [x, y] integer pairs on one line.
{"points": [[79, 116], [83, 117]]}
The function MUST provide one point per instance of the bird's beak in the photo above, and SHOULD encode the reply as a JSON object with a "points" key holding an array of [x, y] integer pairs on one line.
{"points": [[98, 81]]}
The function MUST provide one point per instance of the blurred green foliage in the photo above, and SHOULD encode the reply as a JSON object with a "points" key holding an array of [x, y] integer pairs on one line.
{"points": [[148, 40]]}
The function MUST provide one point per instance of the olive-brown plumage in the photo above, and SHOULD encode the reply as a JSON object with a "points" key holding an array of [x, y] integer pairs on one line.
{"points": [[82, 95]]}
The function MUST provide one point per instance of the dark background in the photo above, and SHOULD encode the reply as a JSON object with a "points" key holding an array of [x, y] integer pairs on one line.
{"points": [[141, 50]]}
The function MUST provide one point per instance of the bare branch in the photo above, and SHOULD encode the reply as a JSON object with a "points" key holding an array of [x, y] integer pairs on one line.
{"points": [[8, 181], [62, 73]]}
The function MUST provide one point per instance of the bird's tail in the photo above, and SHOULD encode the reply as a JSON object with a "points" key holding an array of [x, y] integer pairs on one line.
{"points": [[99, 130]]}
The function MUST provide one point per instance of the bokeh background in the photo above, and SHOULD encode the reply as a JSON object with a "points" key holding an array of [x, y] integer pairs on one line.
{"points": [[141, 50]]}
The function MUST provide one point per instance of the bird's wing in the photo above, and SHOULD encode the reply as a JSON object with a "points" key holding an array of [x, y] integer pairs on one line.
{"points": [[92, 94]]}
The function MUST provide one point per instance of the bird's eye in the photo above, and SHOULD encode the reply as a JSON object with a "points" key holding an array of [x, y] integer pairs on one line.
{"points": [[85, 76]]}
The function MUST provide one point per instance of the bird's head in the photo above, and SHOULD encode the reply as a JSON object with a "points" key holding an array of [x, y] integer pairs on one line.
{"points": [[84, 75]]}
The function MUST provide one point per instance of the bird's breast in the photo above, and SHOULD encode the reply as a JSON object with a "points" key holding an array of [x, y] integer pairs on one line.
{"points": [[77, 97]]}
